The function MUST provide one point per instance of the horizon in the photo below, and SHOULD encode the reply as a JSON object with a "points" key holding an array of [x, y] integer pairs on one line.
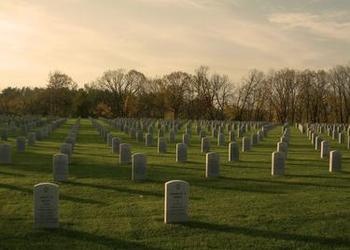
{"points": [[85, 38]]}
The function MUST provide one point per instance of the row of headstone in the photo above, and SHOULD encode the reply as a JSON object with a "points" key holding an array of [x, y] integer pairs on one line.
{"points": [[334, 156], [61, 160]]}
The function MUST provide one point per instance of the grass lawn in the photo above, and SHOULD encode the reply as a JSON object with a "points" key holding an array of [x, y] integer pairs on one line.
{"points": [[246, 208]]}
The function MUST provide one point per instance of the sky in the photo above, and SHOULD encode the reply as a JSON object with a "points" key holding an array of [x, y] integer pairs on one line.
{"points": [[84, 38]]}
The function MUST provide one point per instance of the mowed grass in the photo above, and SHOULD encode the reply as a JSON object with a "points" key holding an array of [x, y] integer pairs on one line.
{"points": [[246, 208]]}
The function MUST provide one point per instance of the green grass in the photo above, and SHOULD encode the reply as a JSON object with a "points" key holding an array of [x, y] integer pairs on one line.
{"points": [[246, 208]]}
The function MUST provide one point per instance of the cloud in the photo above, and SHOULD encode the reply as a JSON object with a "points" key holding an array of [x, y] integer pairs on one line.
{"points": [[320, 25]]}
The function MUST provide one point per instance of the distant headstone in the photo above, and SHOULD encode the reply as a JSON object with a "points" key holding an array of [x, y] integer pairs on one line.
{"points": [[205, 145], [245, 144], [335, 161], [221, 139], [233, 151], [176, 201], [324, 149], [162, 146], [148, 140], [186, 139], [283, 147], [181, 152], [278, 162], [115, 145], [124, 153], [171, 136], [138, 167], [46, 205], [231, 136], [66, 148], [5, 154], [212, 168], [21, 144], [60, 167]]}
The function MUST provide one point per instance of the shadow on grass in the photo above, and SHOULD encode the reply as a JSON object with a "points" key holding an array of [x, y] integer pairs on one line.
{"points": [[99, 240], [62, 196], [12, 174], [268, 234], [117, 189], [274, 181]]}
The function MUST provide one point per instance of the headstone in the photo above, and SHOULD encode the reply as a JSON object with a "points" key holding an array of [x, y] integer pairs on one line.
{"points": [[340, 138], [124, 153], [181, 152], [115, 145], [186, 139], [318, 141], [171, 136], [176, 201], [162, 146], [139, 135], [245, 144], [46, 205], [5, 154], [60, 167], [66, 148], [148, 140], [138, 167], [283, 147], [205, 145], [212, 168], [21, 144], [231, 136], [254, 139], [221, 139], [335, 161], [109, 139], [278, 162], [324, 149], [233, 151]]}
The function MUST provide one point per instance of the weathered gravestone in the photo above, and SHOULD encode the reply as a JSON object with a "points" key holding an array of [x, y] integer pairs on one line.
{"points": [[278, 161], [124, 153], [21, 144], [233, 151], [181, 152], [176, 201], [60, 167], [205, 145], [335, 161], [5, 154], [212, 168], [46, 205], [138, 167], [324, 149], [115, 145], [162, 146]]}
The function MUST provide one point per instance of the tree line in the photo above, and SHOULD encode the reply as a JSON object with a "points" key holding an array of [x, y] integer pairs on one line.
{"points": [[278, 95]]}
